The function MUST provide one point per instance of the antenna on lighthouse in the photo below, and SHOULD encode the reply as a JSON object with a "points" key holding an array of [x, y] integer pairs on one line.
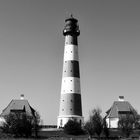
{"points": [[71, 15]]}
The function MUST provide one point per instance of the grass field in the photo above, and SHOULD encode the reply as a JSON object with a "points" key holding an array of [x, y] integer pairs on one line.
{"points": [[60, 135], [65, 138]]}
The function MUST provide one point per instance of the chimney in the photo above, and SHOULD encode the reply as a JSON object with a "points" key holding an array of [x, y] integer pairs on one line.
{"points": [[22, 97], [121, 98]]}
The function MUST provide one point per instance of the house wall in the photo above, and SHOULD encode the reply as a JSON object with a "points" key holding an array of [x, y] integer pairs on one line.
{"points": [[112, 122], [2, 121]]}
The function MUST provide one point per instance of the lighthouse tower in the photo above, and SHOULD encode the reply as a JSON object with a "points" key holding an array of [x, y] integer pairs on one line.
{"points": [[70, 100]]}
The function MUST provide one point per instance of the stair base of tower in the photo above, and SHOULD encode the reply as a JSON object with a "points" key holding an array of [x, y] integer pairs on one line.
{"points": [[62, 120]]}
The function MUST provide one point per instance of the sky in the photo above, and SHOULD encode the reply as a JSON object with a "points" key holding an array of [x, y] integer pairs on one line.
{"points": [[32, 47]]}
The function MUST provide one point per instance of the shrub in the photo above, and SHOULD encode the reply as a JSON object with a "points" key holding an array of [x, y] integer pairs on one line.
{"points": [[20, 124], [126, 124], [73, 128]]}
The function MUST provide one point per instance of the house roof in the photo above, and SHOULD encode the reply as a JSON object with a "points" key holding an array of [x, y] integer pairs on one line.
{"points": [[119, 107], [18, 105]]}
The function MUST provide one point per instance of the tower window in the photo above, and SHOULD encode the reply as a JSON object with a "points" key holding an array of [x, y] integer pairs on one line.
{"points": [[62, 109], [71, 100], [71, 80], [70, 90], [71, 109]]}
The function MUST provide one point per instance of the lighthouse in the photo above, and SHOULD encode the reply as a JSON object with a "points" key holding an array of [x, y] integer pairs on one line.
{"points": [[70, 99]]}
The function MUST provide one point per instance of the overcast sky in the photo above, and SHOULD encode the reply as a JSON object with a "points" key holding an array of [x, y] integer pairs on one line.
{"points": [[32, 44]]}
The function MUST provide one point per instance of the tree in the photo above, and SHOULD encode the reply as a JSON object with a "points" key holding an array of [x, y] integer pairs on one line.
{"points": [[73, 128], [36, 123], [94, 125], [90, 128], [126, 124], [20, 124]]}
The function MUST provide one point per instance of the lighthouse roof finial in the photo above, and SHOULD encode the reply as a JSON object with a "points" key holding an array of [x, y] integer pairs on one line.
{"points": [[71, 15], [71, 18]]}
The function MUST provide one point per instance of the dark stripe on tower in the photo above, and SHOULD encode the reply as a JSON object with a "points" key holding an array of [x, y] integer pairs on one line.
{"points": [[71, 40], [71, 104], [71, 69]]}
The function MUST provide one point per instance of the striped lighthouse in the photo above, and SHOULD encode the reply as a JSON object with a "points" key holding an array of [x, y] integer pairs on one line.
{"points": [[70, 100]]}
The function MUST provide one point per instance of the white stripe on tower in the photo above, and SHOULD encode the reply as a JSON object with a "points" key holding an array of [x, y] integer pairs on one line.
{"points": [[70, 85], [71, 52]]}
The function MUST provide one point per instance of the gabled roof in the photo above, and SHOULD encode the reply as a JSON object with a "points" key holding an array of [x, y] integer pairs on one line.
{"points": [[120, 107], [18, 105]]}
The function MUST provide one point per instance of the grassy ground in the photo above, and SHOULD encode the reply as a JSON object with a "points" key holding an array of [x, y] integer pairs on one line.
{"points": [[62, 138], [60, 135]]}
